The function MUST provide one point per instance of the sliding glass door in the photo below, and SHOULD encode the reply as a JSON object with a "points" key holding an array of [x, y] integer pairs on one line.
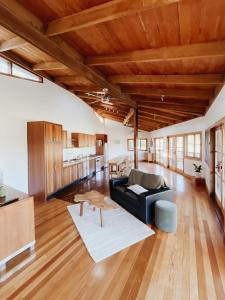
{"points": [[176, 153], [172, 152], [180, 153], [159, 150]]}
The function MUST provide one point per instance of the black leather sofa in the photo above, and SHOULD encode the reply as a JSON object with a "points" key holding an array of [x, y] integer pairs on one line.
{"points": [[141, 206]]}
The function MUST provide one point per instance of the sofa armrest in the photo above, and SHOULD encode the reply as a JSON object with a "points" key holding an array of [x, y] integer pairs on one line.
{"points": [[118, 181]]}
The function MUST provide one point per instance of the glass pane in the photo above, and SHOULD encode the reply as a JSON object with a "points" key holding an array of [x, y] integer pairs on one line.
{"points": [[197, 139], [4, 66], [143, 144], [20, 72], [130, 145]]}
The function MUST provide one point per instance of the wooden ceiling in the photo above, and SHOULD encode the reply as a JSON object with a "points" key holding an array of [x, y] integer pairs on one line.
{"points": [[164, 57]]}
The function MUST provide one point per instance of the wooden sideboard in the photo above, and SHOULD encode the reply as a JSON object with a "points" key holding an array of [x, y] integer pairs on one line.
{"points": [[16, 223]]}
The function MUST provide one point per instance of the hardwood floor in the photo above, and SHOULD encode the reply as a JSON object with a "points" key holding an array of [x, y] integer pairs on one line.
{"points": [[187, 265]]}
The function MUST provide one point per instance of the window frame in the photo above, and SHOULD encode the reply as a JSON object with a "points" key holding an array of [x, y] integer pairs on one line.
{"points": [[139, 144], [194, 157], [10, 73]]}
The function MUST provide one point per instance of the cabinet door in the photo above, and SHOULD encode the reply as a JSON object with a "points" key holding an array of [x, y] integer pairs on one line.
{"points": [[57, 133], [58, 164], [49, 132], [64, 135], [74, 173], [50, 168], [66, 176], [80, 170]]}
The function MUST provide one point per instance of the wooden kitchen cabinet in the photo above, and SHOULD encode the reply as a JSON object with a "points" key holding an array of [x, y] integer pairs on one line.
{"points": [[81, 140], [45, 144], [67, 176], [74, 172], [92, 167]]}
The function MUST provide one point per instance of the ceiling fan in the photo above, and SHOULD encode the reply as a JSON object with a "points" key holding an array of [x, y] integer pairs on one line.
{"points": [[101, 96]]}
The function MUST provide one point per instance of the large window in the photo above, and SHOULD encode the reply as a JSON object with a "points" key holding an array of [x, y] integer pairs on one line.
{"points": [[11, 69], [159, 150], [142, 144], [193, 145]]}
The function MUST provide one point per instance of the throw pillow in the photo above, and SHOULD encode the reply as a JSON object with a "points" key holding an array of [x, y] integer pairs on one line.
{"points": [[137, 189]]}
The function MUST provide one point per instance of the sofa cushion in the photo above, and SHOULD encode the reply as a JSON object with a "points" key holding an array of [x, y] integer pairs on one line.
{"points": [[152, 181], [135, 177]]}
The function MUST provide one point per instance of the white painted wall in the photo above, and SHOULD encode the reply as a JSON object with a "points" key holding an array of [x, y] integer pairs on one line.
{"points": [[117, 139], [22, 101]]}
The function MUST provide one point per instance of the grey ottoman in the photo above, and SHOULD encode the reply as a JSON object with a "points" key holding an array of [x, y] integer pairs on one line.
{"points": [[166, 215]]}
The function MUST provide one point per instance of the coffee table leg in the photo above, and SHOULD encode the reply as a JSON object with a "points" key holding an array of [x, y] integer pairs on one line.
{"points": [[81, 208], [101, 217]]}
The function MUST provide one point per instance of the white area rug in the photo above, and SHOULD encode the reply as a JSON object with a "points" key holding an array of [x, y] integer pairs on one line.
{"points": [[120, 230]]}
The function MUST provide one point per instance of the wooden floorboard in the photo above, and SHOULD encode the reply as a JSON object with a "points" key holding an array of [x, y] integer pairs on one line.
{"points": [[187, 265]]}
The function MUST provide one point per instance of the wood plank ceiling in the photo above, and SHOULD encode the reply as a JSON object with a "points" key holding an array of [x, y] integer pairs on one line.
{"points": [[164, 57]]}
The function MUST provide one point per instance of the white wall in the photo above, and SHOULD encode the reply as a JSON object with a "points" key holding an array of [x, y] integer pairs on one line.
{"points": [[117, 139], [22, 101]]}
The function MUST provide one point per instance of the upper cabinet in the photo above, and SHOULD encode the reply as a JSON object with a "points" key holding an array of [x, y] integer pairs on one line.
{"points": [[67, 142], [81, 140]]}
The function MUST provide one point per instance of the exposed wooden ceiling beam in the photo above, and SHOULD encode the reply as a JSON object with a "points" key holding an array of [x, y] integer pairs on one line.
{"points": [[174, 107], [72, 79], [128, 116], [152, 121], [12, 43], [170, 110], [80, 88], [49, 65], [160, 119], [178, 93], [14, 22], [102, 13], [162, 113], [213, 79], [190, 102], [214, 49]]}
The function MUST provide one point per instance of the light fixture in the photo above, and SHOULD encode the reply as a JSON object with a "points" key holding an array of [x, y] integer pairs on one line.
{"points": [[162, 97]]}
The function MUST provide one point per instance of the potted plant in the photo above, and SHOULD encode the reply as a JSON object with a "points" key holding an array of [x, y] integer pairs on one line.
{"points": [[198, 172]]}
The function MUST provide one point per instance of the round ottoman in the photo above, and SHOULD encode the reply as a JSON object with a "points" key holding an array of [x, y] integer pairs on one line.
{"points": [[166, 215]]}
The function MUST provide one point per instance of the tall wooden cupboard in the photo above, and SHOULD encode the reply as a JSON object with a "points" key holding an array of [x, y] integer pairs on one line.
{"points": [[45, 157]]}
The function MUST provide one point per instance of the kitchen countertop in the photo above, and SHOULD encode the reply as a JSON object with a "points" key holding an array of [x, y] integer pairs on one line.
{"points": [[77, 161]]}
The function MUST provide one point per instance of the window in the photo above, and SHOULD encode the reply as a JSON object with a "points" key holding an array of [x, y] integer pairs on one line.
{"points": [[159, 150], [193, 145], [142, 144], [11, 69]]}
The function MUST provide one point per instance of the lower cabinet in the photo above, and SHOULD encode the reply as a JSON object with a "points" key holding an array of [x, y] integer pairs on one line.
{"points": [[78, 171], [67, 176]]}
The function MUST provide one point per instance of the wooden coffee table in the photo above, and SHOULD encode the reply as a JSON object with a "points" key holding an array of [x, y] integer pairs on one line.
{"points": [[97, 200]]}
